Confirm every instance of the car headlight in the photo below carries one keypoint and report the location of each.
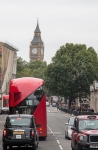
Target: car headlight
(83, 138)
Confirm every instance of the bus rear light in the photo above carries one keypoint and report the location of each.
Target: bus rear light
(4, 133)
(32, 133)
(40, 129)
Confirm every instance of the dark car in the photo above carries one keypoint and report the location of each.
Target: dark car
(4, 110)
(20, 130)
(85, 133)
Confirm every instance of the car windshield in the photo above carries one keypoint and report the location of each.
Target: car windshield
(20, 121)
(71, 121)
(88, 124)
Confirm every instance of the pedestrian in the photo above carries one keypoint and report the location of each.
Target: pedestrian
(57, 104)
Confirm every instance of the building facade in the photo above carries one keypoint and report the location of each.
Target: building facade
(36, 51)
(94, 96)
(8, 64)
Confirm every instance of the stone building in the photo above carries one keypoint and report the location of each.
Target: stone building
(94, 96)
(8, 63)
(36, 46)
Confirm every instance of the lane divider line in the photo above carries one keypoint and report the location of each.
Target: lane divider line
(55, 138)
(60, 147)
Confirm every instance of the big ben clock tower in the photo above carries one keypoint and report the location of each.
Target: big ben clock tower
(36, 46)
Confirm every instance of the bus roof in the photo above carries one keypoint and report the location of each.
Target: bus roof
(22, 87)
(28, 79)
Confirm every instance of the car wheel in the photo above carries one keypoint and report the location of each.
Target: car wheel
(72, 147)
(68, 136)
(34, 147)
(10, 147)
(4, 147)
(43, 138)
(65, 136)
(37, 144)
(77, 147)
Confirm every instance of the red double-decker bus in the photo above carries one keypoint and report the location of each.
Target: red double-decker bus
(5, 101)
(27, 96)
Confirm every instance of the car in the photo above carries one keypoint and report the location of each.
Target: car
(68, 130)
(85, 133)
(54, 104)
(20, 130)
(4, 110)
(47, 104)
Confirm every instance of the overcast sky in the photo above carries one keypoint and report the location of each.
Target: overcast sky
(60, 22)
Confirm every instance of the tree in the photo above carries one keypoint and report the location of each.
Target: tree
(38, 68)
(22, 68)
(32, 69)
(72, 70)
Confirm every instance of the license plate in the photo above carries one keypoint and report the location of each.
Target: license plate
(93, 146)
(18, 136)
(18, 132)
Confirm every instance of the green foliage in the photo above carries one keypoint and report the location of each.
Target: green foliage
(32, 69)
(72, 70)
(22, 68)
(38, 69)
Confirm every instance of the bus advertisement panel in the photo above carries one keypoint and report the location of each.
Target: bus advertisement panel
(5, 101)
(27, 96)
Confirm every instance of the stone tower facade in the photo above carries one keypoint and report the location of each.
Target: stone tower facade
(36, 46)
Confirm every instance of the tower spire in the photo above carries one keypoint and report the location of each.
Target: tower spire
(37, 27)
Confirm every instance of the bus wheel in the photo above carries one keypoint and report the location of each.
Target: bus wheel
(44, 138)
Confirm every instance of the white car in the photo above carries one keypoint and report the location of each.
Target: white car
(68, 130)
(47, 104)
(54, 105)
(4, 110)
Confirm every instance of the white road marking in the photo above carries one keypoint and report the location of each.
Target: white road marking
(60, 147)
(55, 137)
(58, 142)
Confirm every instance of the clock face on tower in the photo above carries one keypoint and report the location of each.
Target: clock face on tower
(34, 50)
(42, 51)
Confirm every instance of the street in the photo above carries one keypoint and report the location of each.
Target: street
(56, 131)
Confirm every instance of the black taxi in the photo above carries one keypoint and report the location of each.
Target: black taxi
(85, 133)
(20, 130)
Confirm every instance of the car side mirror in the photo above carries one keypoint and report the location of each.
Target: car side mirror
(66, 123)
(73, 128)
(38, 125)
